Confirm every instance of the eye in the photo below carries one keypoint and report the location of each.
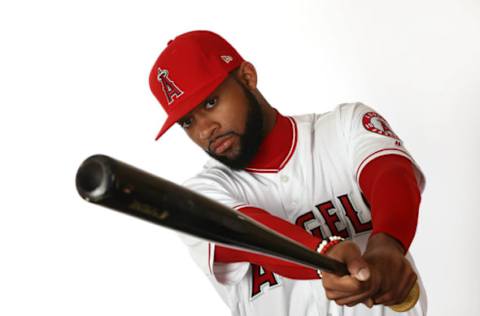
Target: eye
(186, 123)
(210, 103)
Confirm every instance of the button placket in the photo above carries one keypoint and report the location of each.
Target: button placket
(288, 202)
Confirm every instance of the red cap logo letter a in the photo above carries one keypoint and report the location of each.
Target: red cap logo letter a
(169, 87)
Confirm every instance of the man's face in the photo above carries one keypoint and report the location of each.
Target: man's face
(227, 125)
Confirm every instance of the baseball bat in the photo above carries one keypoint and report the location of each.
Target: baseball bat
(114, 184)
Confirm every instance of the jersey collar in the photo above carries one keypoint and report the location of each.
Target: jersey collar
(277, 147)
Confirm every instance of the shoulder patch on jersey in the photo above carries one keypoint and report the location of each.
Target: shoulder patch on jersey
(375, 123)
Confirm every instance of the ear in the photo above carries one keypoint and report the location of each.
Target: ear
(247, 75)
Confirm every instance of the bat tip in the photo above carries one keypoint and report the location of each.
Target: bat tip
(92, 180)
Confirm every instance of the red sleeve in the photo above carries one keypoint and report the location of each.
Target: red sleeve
(279, 266)
(390, 186)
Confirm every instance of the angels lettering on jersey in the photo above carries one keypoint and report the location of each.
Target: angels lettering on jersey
(262, 278)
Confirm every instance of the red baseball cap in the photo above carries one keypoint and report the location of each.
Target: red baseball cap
(188, 70)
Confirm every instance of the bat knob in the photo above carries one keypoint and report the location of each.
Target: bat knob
(409, 302)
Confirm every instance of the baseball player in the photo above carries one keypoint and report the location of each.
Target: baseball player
(340, 183)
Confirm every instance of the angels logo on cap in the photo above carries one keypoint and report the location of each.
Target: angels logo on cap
(169, 87)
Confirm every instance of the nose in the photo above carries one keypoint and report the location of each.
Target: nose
(207, 127)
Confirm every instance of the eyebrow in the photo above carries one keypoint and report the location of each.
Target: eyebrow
(186, 116)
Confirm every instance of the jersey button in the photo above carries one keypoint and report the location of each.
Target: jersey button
(284, 178)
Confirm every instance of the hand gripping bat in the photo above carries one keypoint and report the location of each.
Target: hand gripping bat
(111, 183)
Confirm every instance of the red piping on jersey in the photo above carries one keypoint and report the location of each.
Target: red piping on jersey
(240, 206)
(209, 254)
(277, 148)
(372, 154)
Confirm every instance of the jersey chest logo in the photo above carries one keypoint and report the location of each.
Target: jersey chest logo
(375, 123)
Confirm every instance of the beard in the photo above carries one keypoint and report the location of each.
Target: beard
(250, 140)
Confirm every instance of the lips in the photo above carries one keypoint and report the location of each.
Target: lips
(221, 144)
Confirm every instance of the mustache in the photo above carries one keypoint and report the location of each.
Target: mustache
(211, 141)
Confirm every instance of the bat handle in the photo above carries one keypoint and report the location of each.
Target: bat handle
(409, 302)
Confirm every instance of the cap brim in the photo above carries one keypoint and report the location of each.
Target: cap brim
(190, 103)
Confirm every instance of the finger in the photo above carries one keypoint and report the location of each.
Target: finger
(397, 294)
(407, 289)
(353, 299)
(391, 294)
(402, 294)
(345, 283)
(335, 295)
(369, 302)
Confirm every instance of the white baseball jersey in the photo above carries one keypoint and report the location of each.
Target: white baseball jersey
(316, 187)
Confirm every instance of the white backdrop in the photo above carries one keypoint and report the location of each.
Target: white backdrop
(73, 82)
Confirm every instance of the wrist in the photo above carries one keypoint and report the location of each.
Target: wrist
(384, 242)
(326, 245)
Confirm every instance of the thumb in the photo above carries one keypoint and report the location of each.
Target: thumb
(349, 253)
(359, 269)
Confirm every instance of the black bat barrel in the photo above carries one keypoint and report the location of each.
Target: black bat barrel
(111, 183)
